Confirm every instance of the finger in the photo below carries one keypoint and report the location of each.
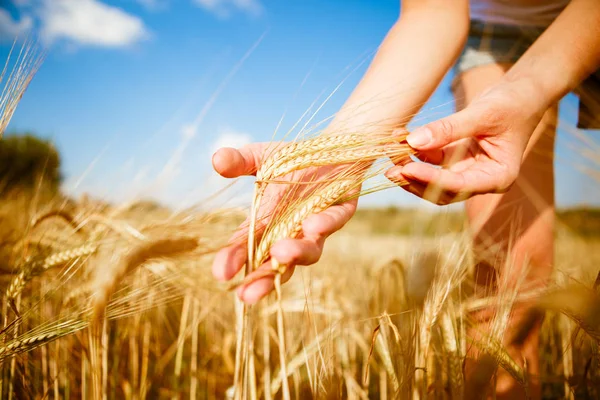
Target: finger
(228, 261)
(231, 163)
(259, 288)
(435, 156)
(398, 137)
(432, 194)
(297, 251)
(421, 190)
(416, 188)
(460, 125)
(330, 220)
(315, 229)
(482, 177)
(394, 174)
(303, 251)
(399, 160)
(449, 155)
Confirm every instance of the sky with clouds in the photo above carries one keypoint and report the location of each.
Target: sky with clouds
(137, 94)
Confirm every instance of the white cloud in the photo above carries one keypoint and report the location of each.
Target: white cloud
(224, 8)
(10, 28)
(90, 22)
(231, 138)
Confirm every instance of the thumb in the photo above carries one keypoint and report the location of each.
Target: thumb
(437, 134)
(231, 163)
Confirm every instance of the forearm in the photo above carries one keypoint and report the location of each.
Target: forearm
(567, 52)
(410, 63)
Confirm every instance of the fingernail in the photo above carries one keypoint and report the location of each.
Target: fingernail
(419, 137)
(394, 173)
(407, 174)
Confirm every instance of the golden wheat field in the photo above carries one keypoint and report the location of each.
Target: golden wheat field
(120, 299)
(117, 301)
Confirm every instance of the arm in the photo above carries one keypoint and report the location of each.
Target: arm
(501, 121)
(566, 53)
(411, 62)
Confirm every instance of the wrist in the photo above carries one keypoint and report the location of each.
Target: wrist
(530, 92)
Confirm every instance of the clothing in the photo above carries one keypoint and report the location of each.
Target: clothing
(490, 43)
(538, 13)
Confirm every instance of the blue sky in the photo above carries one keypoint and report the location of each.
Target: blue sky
(137, 94)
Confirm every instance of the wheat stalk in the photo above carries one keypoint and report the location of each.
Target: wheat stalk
(495, 349)
(106, 284)
(455, 374)
(31, 341)
(35, 266)
(28, 62)
(449, 276)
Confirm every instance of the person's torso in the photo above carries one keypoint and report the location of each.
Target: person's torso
(517, 12)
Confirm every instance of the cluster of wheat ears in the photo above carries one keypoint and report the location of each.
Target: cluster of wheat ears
(111, 301)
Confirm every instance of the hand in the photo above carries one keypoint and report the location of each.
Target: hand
(480, 148)
(305, 250)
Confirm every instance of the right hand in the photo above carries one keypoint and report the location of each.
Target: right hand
(481, 147)
(304, 250)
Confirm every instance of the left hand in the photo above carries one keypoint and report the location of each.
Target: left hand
(480, 148)
(303, 250)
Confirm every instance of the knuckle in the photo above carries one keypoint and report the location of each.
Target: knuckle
(488, 115)
(492, 116)
(317, 250)
(446, 130)
(294, 255)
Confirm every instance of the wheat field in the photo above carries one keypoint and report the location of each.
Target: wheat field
(117, 301)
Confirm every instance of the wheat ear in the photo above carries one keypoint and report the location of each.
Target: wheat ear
(291, 226)
(28, 62)
(495, 349)
(106, 284)
(33, 267)
(331, 150)
(455, 374)
(29, 342)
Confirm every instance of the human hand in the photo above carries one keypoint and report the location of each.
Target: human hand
(479, 149)
(304, 250)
